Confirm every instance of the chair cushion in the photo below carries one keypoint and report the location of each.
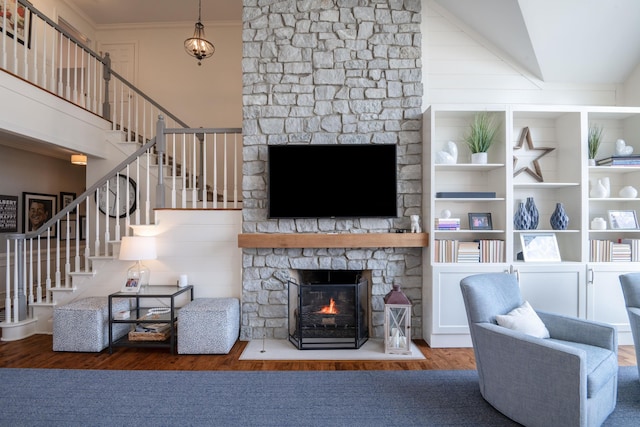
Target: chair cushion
(602, 365)
(524, 319)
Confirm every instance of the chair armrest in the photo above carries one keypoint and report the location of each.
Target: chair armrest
(516, 372)
(584, 331)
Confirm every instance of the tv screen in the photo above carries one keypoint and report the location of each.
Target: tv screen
(332, 181)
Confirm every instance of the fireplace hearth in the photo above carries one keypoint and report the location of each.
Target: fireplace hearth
(328, 310)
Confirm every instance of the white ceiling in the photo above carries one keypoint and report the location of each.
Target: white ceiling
(104, 12)
(560, 41)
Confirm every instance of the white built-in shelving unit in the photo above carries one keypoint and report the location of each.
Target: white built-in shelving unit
(573, 286)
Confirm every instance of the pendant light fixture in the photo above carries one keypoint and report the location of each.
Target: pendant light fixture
(79, 159)
(197, 46)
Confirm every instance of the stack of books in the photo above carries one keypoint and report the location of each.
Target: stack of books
(635, 248)
(630, 160)
(620, 252)
(468, 252)
(607, 251)
(447, 224)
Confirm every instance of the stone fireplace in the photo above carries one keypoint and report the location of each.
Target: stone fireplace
(329, 72)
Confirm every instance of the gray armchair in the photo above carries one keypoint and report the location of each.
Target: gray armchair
(631, 289)
(569, 379)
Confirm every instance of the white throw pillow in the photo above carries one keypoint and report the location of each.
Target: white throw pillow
(524, 319)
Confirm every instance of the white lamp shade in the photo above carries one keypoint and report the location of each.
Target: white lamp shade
(137, 248)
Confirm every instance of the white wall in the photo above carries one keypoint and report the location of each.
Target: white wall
(460, 67)
(209, 95)
(632, 89)
(22, 171)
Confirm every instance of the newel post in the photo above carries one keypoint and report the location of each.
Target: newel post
(106, 75)
(160, 149)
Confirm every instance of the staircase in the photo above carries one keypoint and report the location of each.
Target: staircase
(194, 171)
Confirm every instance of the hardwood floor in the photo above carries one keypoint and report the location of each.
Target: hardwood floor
(36, 352)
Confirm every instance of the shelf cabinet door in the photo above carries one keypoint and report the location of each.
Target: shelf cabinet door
(449, 314)
(605, 301)
(556, 288)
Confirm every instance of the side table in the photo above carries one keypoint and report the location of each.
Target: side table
(141, 315)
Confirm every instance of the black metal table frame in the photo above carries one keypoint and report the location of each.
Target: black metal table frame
(158, 292)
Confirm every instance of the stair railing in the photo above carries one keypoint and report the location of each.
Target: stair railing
(43, 53)
(46, 259)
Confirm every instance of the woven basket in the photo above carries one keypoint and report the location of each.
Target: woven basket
(149, 336)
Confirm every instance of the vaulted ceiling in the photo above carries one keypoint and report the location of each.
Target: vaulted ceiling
(559, 41)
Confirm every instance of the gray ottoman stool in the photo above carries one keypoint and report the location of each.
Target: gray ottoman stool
(83, 325)
(208, 326)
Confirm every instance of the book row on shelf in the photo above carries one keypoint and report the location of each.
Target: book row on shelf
(626, 250)
(472, 252)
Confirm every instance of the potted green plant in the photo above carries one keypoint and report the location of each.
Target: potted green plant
(594, 139)
(481, 135)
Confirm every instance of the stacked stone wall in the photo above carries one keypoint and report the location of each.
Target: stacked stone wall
(329, 72)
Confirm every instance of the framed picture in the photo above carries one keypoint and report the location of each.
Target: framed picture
(480, 221)
(540, 247)
(18, 21)
(131, 285)
(8, 214)
(71, 232)
(38, 209)
(83, 226)
(623, 220)
(66, 199)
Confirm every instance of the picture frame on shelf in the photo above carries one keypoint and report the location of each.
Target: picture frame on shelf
(38, 208)
(623, 220)
(540, 247)
(131, 285)
(480, 221)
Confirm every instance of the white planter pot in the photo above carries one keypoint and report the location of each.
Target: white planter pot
(479, 158)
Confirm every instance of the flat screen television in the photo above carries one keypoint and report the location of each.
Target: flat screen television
(332, 181)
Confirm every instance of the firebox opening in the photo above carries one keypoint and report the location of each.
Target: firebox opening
(328, 309)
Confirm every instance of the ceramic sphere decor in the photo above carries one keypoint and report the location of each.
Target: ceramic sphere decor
(559, 219)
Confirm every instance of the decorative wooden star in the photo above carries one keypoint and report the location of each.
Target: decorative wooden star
(537, 174)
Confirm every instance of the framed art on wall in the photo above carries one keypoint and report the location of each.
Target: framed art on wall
(67, 229)
(65, 199)
(8, 214)
(18, 21)
(38, 209)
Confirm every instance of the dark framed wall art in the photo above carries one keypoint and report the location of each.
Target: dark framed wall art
(38, 208)
(8, 214)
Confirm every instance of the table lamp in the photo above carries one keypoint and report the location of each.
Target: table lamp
(138, 248)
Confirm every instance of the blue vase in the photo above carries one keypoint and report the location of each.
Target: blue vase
(559, 219)
(532, 210)
(521, 218)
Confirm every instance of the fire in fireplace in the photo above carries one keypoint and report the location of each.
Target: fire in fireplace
(328, 309)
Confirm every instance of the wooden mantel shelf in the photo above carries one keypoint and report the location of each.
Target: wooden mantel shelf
(338, 240)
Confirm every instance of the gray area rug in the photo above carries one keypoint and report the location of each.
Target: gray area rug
(51, 397)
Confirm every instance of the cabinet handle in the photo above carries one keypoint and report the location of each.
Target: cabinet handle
(590, 279)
